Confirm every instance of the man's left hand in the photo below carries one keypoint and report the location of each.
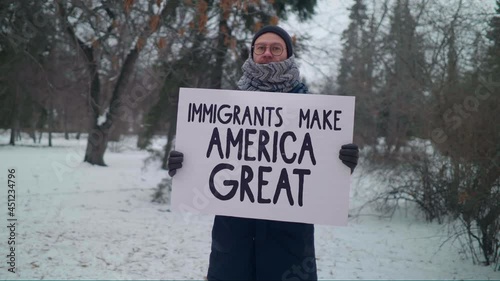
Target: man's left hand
(349, 154)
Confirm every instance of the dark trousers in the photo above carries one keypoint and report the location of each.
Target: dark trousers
(253, 249)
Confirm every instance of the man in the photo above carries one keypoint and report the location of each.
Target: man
(255, 249)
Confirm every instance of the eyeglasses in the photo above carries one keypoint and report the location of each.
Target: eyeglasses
(276, 49)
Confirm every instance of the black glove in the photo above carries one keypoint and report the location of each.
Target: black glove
(349, 154)
(174, 162)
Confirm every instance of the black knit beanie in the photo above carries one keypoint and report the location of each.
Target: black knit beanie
(278, 31)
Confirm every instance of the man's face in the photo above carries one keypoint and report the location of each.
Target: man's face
(272, 43)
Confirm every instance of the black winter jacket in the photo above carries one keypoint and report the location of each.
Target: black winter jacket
(255, 249)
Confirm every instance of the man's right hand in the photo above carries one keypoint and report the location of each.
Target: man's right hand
(174, 162)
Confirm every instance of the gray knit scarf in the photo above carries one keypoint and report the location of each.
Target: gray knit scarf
(280, 76)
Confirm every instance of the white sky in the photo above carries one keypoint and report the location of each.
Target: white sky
(325, 29)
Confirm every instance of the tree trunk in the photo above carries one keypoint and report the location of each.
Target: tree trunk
(96, 145)
(142, 141)
(51, 121)
(65, 125)
(15, 119)
(96, 141)
(32, 134)
(12, 135)
(96, 148)
(221, 50)
(32, 131)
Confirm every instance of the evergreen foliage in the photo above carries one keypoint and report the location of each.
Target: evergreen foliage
(356, 72)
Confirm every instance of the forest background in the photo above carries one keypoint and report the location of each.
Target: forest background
(426, 76)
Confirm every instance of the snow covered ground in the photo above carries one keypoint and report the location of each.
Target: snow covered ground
(76, 221)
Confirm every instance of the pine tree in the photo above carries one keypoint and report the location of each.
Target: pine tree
(26, 36)
(355, 76)
(351, 48)
(494, 36)
(404, 80)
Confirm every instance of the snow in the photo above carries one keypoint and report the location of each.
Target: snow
(102, 118)
(77, 221)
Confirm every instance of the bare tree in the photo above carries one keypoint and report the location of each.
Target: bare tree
(130, 25)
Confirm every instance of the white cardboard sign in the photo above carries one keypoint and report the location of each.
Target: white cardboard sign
(263, 155)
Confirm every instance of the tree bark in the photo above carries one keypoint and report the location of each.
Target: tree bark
(50, 121)
(12, 135)
(221, 51)
(15, 119)
(96, 146)
(65, 123)
(32, 134)
(97, 138)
